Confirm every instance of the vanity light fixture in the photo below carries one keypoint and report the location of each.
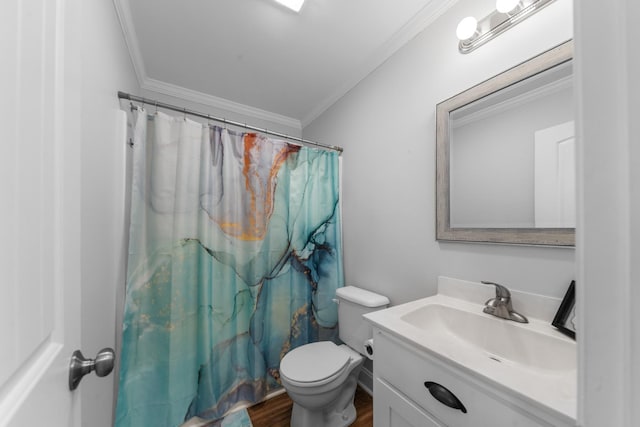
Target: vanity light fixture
(294, 5)
(507, 14)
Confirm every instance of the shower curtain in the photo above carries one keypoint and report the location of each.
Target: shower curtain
(234, 259)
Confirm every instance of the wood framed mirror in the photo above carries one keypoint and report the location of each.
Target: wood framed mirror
(505, 152)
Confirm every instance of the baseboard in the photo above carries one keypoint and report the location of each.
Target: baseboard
(365, 380)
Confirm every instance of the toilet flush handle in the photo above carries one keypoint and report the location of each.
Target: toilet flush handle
(336, 300)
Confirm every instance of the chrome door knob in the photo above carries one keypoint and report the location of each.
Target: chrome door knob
(79, 366)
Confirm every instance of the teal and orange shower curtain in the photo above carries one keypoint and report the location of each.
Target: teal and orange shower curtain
(234, 258)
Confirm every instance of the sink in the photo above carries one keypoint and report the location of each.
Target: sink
(501, 340)
(530, 362)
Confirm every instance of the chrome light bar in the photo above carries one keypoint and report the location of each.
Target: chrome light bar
(497, 23)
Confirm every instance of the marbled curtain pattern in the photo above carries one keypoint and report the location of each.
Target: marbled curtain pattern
(234, 259)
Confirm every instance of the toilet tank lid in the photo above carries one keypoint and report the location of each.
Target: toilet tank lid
(362, 296)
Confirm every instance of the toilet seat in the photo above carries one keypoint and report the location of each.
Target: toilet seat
(314, 364)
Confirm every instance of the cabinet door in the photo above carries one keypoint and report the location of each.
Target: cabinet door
(391, 409)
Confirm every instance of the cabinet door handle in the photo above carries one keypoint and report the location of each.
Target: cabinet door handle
(444, 396)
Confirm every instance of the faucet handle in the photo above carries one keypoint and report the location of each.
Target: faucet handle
(501, 291)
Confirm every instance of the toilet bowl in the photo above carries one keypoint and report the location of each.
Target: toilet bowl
(321, 377)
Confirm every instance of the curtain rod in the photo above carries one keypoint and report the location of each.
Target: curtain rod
(158, 104)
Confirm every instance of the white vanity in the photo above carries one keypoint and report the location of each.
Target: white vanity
(441, 361)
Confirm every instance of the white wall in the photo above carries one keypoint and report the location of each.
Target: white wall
(387, 127)
(106, 69)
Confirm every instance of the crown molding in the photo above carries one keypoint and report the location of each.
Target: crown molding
(131, 39)
(417, 24)
(216, 102)
(428, 14)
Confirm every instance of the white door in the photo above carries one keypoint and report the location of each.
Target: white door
(555, 177)
(39, 211)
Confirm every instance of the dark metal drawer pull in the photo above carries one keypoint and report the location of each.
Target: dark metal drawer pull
(444, 396)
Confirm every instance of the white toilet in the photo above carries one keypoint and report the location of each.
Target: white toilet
(321, 377)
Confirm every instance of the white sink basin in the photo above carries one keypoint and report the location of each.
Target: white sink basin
(498, 339)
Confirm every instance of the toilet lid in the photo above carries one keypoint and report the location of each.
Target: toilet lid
(314, 362)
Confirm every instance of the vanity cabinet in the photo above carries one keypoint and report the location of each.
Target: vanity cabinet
(414, 388)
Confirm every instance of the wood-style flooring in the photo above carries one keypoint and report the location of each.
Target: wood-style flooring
(276, 412)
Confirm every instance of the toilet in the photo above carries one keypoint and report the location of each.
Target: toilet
(321, 377)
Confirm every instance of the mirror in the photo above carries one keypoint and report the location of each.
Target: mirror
(505, 153)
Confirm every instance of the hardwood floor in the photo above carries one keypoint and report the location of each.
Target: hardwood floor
(276, 412)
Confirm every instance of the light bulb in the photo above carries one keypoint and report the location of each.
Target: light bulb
(506, 6)
(294, 5)
(467, 28)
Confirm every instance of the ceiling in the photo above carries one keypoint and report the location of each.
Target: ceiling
(257, 58)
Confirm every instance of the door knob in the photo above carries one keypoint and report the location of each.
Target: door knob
(79, 366)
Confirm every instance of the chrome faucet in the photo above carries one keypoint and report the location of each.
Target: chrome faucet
(500, 306)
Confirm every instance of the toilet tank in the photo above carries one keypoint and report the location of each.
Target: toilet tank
(353, 302)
